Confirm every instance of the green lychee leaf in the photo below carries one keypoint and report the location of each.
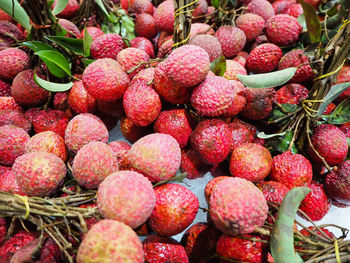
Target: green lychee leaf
(57, 64)
(215, 3)
(71, 44)
(51, 86)
(282, 240)
(15, 10)
(60, 6)
(87, 40)
(218, 66)
(267, 80)
(37, 46)
(312, 20)
(341, 114)
(104, 10)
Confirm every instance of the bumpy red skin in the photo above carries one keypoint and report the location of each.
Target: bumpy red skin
(131, 57)
(283, 30)
(337, 184)
(250, 161)
(84, 128)
(3, 230)
(144, 76)
(142, 104)
(5, 88)
(31, 113)
(259, 103)
(262, 8)
(213, 96)
(192, 164)
(4, 16)
(344, 76)
(80, 100)
(13, 61)
(12, 143)
(241, 58)
(112, 108)
(145, 26)
(175, 209)
(208, 191)
(93, 163)
(143, 44)
(201, 28)
(295, 10)
(105, 79)
(201, 9)
(70, 10)
(4, 169)
(120, 149)
(326, 231)
(165, 48)
(281, 6)
(16, 118)
(208, 43)
(315, 204)
(237, 206)
(8, 184)
(51, 120)
(25, 90)
(177, 123)
(251, 24)
(93, 31)
(106, 46)
(233, 68)
(137, 6)
(239, 99)
(243, 250)
(12, 245)
(331, 144)
(212, 140)
(240, 123)
(292, 170)
(131, 131)
(291, 94)
(295, 58)
(329, 110)
(157, 156)
(240, 134)
(119, 242)
(232, 40)
(345, 129)
(264, 58)
(163, 249)
(273, 191)
(9, 103)
(72, 30)
(164, 16)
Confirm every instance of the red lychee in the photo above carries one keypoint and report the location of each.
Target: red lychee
(93, 31)
(208, 43)
(70, 10)
(145, 26)
(211, 185)
(80, 100)
(264, 58)
(15, 118)
(273, 191)
(291, 94)
(233, 68)
(130, 59)
(120, 149)
(12, 245)
(144, 44)
(262, 8)
(251, 24)
(131, 131)
(106, 46)
(13, 61)
(192, 164)
(50, 120)
(232, 40)
(164, 16)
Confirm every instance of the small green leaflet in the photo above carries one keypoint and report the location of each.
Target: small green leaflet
(103, 8)
(51, 86)
(218, 66)
(12, 7)
(74, 45)
(38, 46)
(312, 20)
(57, 64)
(341, 114)
(215, 3)
(60, 6)
(87, 40)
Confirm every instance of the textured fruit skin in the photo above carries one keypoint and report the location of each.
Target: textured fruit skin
(50, 120)
(337, 184)
(164, 16)
(232, 40)
(264, 58)
(142, 104)
(239, 249)
(137, 6)
(10, 33)
(237, 206)
(344, 76)
(315, 204)
(250, 161)
(144, 76)
(12, 143)
(144, 44)
(296, 58)
(93, 163)
(70, 10)
(8, 184)
(240, 134)
(126, 196)
(131, 57)
(105, 79)
(4, 16)
(25, 90)
(233, 68)
(259, 103)
(145, 26)
(192, 164)
(262, 8)
(251, 24)
(163, 249)
(12, 245)
(119, 242)
(106, 46)
(31, 113)
(39, 173)
(331, 144)
(47, 141)
(175, 209)
(3, 230)
(157, 156)
(201, 28)
(72, 30)
(208, 43)
(212, 140)
(291, 94)
(131, 131)
(13, 61)
(211, 185)
(213, 96)
(239, 99)
(295, 10)
(201, 9)
(84, 128)
(5, 88)
(283, 30)
(80, 100)
(15, 118)
(292, 170)
(93, 31)
(273, 191)
(177, 123)
(120, 149)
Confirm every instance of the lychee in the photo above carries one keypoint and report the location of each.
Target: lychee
(240, 134)
(208, 43)
(192, 164)
(251, 24)
(164, 16)
(93, 31)
(120, 149)
(70, 10)
(12, 245)
(13, 61)
(8, 184)
(262, 8)
(15, 118)
(50, 120)
(145, 26)
(106, 46)
(291, 94)
(80, 100)
(232, 40)
(264, 58)
(211, 185)
(273, 191)
(232, 69)
(130, 59)
(143, 44)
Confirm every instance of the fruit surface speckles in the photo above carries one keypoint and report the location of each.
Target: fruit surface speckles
(233, 68)
(262, 8)
(15, 118)
(130, 58)
(120, 149)
(8, 184)
(12, 61)
(291, 94)
(232, 40)
(251, 24)
(208, 191)
(80, 100)
(164, 17)
(264, 58)
(273, 191)
(106, 46)
(208, 43)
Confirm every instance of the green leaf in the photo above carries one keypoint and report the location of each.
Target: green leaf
(281, 243)
(72, 44)
(103, 8)
(60, 6)
(56, 62)
(262, 135)
(312, 20)
(51, 86)
(284, 143)
(302, 22)
(87, 42)
(283, 110)
(128, 23)
(218, 66)
(341, 114)
(333, 93)
(215, 3)
(37, 46)
(15, 10)
(267, 80)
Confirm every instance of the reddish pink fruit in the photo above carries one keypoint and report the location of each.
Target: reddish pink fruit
(112, 108)
(164, 16)
(80, 100)
(120, 149)
(192, 164)
(145, 26)
(12, 245)
(72, 30)
(131, 131)
(137, 6)
(106, 46)
(201, 28)
(232, 69)
(13, 61)
(16, 118)
(8, 184)
(240, 134)
(130, 59)
(232, 40)
(281, 6)
(201, 9)
(291, 94)
(70, 10)
(93, 31)
(264, 58)
(5, 88)
(273, 191)
(262, 8)
(211, 185)
(251, 24)
(165, 48)
(144, 76)
(144, 44)
(51, 120)
(239, 99)
(295, 10)
(208, 43)
(31, 113)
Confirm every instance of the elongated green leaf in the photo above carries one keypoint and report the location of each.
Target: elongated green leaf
(281, 243)
(218, 66)
(13, 8)
(215, 3)
(333, 93)
(87, 43)
(55, 62)
(262, 135)
(312, 20)
(60, 6)
(267, 80)
(302, 22)
(51, 86)
(341, 113)
(37, 46)
(103, 8)
(72, 44)
(284, 143)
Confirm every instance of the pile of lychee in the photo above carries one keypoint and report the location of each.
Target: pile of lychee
(175, 116)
